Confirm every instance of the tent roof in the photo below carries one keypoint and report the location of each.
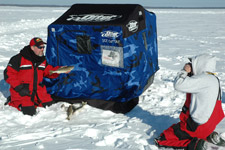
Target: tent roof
(101, 14)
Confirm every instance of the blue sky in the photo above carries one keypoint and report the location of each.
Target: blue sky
(150, 3)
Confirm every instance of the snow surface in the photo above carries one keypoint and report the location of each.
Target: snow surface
(181, 33)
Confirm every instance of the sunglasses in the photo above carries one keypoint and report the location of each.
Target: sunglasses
(40, 47)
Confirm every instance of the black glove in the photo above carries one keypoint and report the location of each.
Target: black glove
(23, 89)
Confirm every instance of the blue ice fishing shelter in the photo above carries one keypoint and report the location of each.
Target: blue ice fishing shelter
(113, 48)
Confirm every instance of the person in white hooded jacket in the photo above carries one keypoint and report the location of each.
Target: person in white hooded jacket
(204, 86)
(202, 110)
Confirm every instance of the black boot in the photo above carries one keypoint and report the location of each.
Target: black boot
(201, 145)
(215, 138)
(29, 110)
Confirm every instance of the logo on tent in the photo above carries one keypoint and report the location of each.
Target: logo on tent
(110, 34)
(93, 17)
(132, 26)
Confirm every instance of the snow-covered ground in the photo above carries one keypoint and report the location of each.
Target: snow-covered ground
(181, 33)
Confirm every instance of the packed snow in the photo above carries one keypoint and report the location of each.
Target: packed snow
(181, 33)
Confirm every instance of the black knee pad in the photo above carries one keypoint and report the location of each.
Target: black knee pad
(28, 110)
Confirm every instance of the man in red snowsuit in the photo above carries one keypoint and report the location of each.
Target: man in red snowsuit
(202, 110)
(24, 73)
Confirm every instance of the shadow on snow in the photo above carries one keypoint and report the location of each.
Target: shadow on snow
(158, 123)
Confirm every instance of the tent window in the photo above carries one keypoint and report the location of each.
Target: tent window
(83, 44)
(112, 56)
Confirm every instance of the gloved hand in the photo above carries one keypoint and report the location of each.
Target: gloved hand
(23, 89)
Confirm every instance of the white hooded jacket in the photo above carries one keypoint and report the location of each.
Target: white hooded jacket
(203, 86)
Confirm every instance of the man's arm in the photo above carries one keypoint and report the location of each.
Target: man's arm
(11, 71)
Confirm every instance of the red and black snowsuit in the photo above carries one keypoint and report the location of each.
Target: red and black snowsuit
(187, 132)
(24, 73)
(202, 110)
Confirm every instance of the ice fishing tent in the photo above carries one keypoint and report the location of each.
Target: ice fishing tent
(114, 50)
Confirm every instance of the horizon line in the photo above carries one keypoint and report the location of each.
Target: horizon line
(147, 7)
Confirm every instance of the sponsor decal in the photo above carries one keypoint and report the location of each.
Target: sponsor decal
(110, 34)
(93, 17)
(110, 41)
(132, 26)
(38, 40)
(112, 56)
